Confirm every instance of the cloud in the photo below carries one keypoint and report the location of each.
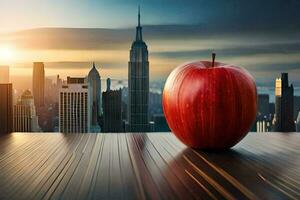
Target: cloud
(265, 53)
(68, 38)
(240, 50)
(112, 39)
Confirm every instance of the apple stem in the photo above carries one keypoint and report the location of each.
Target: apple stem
(213, 59)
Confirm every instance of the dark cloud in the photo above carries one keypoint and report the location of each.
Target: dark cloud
(250, 50)
(253, 14)
(276, 67)
(111, 39)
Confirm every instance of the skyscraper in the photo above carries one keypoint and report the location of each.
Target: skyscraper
(112, 110)
(4, 74)
(263, 105)
(6, 108)
(284, 105)
(138, 84)
(298, 122)
(296, 106)
(73, 109)
(38, 84)
(264, 118)
(25, 119)
(94, 85)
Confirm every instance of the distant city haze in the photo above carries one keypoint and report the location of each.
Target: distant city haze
(265, 43)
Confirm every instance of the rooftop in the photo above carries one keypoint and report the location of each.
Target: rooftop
(146, 166)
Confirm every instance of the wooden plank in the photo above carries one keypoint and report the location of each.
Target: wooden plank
(31, 162)
(69, 186)
(146, 166)
(89, 177)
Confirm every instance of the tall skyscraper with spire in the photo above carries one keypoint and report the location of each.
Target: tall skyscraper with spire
(138, 84)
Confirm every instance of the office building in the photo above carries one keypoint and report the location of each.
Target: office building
(6, 108)
(38, 84)
(272, 108)
(25, 119)
(263, 122)
(73, 109)
(138, 84)
(4, 74)
(263, 105)
(112, 110)
(296, 106)
(124, 91)
(155, 103)
(95, 100)
(298, 122)
(284, 105)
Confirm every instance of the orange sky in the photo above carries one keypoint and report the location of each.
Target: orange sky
(70, 52)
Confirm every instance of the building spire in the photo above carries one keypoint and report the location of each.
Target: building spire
(139, 28)
(94, 66)
(139, 17)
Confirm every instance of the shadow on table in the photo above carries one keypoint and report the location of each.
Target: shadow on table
(263, 174)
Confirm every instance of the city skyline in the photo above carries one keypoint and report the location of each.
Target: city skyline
(265, 44)
(161, 99)
(111, 44)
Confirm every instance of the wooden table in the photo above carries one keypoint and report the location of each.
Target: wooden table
(146, 166)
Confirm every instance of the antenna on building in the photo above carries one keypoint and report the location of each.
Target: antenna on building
(139, 16)
(139, 28)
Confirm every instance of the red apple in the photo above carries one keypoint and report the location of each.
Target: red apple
(210, 105)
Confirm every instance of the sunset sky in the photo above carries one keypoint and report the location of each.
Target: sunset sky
(262, 36)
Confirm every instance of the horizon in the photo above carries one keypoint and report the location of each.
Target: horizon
(265, 44)
(60, 58)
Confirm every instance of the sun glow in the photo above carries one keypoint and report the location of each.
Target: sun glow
(6, 53)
